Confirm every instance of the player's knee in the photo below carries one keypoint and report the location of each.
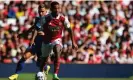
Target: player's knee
(57, 50)
(27, 55)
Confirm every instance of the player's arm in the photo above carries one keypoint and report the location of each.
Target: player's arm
(27, 32)
(74, 45)
(67, 26)
(37, 31)
(33, 37)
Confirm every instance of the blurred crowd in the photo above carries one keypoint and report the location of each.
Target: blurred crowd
(103, 31)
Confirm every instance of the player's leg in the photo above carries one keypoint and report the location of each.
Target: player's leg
(46, 68)
(38, 42)
(20, 64)
(42, 64)
(57, 51)
(46, 49)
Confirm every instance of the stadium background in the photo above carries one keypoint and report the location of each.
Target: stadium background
(103, 31)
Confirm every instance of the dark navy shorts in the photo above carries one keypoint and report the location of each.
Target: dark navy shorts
(36, 49)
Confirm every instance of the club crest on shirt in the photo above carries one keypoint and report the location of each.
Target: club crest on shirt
(38, 24)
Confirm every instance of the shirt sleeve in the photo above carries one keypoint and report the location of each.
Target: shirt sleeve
(66, 23)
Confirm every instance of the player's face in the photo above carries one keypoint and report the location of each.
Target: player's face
(56, 9)
(42, 12)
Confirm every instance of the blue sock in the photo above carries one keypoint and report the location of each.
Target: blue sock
(20, 65)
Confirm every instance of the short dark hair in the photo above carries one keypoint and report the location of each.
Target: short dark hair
(53, 4)
(42, 6)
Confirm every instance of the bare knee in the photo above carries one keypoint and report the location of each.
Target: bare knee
(27, 55)
(57, 50)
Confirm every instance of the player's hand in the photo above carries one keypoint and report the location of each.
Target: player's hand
(31, 43)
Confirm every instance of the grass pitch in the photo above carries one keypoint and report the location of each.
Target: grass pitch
(31, 76)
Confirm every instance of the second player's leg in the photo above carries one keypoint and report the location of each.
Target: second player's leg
(57, 51)
(21, 62)
(42, 63)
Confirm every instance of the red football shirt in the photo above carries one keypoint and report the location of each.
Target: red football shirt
(54, 27)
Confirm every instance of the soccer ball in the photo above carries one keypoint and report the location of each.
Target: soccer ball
(40, 76)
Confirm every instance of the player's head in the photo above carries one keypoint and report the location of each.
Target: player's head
(42, 10)
(55, 7)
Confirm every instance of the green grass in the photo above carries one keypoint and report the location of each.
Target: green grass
(30, 76)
